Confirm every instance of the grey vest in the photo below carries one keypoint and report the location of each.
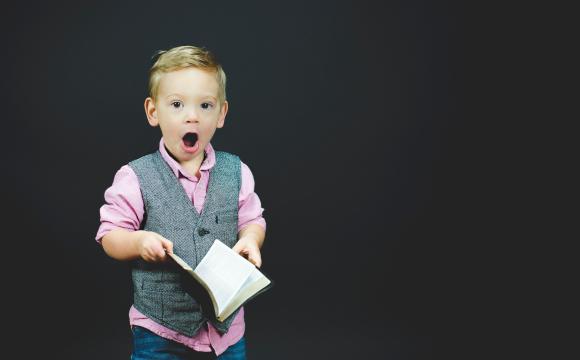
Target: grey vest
(157, 287)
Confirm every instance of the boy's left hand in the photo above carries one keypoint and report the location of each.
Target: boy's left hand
(247, 246)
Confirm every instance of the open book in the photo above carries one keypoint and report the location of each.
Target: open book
(230, 279)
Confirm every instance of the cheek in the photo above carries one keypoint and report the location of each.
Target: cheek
(168, 128)
(208, 116)
(208, 130)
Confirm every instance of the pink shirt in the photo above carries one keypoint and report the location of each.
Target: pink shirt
(124, 209)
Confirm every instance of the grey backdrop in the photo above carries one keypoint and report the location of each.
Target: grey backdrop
(350, 115)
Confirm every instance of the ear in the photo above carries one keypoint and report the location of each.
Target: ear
(223, 112)
(151, 112)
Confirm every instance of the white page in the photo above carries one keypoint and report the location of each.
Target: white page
(224, 271)
(254, 276)
(254, 283)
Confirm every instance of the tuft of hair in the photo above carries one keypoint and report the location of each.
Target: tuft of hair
(182, 57)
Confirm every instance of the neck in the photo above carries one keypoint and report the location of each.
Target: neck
(192, 166)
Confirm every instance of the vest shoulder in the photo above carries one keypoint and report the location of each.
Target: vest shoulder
(143, 160)
(227, 159)
(223, 155)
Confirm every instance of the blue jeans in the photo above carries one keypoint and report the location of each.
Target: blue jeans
(148, 345)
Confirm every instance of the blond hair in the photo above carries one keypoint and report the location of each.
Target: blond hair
(183, 57)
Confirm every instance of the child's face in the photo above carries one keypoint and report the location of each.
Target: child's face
(187, 111)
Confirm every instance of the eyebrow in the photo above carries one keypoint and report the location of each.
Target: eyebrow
(171, 95)
(180, 95)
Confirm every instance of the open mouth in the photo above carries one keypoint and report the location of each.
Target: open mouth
(189, 139)
(190, 143)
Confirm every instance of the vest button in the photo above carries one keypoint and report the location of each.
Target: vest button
(202, 232)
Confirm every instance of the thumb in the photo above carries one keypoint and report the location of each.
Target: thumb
(167, 245)
(255, 258)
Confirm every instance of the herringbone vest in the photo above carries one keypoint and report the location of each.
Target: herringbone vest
(157, 287)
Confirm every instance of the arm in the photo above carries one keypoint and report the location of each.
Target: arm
(121, 244)
(121, 217)
(250, 240)
(251, 224)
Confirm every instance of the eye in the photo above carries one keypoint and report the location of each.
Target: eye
(176, 104)
(206, 105)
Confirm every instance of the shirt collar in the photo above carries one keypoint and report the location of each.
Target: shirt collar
(207, 163)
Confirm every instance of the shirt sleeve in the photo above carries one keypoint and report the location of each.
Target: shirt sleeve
(123, 206)
(249, 206)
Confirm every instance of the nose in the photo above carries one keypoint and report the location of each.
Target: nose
(191, 116)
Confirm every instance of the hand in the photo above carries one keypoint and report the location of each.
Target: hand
(248, 247)
(152, 246)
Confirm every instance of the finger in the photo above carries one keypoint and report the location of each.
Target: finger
(255, 258)
(167, 245)
(238, 247)
(156, 251)
(150, 256)
(245, 253)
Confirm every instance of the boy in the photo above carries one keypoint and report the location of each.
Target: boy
(180, 199)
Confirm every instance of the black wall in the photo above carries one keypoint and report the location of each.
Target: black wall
(349, 113)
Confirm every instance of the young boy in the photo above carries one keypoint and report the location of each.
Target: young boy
(181, 198)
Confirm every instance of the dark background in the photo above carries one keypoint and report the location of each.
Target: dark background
(352, 115)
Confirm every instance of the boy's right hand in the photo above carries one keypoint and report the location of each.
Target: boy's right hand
(152, 246)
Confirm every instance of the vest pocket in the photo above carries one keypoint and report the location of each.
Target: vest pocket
(160, 281)
(179, 306)
(224, 217)
(181, 301)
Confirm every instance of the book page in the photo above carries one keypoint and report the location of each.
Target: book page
(180, 261)
(253, 284)
(224, 272)
(188, 268)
